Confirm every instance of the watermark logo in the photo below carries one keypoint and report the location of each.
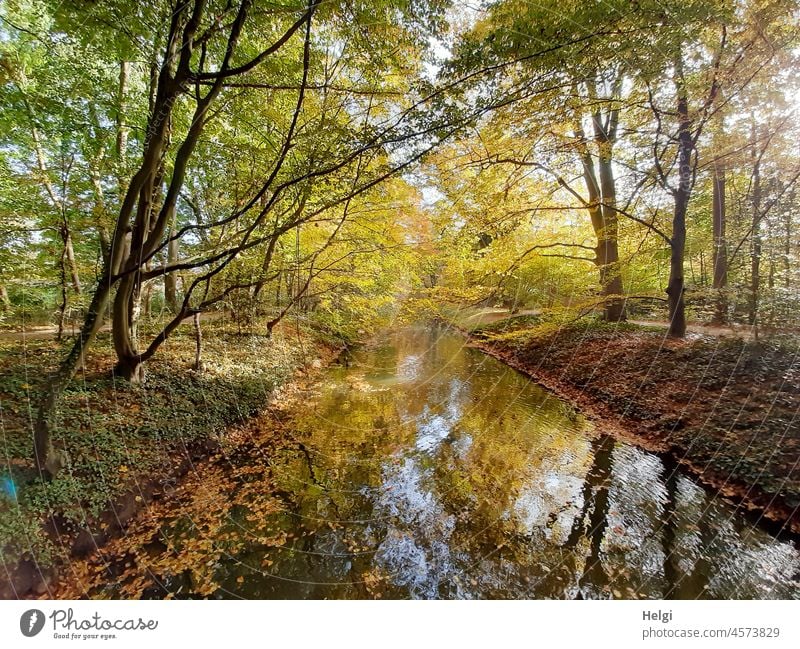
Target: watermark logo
(31, 622)
(67, 626)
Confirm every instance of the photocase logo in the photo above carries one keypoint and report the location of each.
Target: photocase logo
(31, 622)
(66, 625)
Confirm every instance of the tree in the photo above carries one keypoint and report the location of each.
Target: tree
(570, 81)
(205, 63)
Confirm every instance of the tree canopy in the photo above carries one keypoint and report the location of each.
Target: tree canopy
(348, 161)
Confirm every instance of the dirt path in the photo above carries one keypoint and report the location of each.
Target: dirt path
(490, 315)
(739, 331)
(50, 331)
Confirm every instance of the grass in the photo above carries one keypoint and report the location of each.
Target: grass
(517, 330)
(511, 324)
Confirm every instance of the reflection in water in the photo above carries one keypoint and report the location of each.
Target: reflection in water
(428, 469)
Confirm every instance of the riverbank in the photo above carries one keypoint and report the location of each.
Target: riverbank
(723, 407)
(127, 446)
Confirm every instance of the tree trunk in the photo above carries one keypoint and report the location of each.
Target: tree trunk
(130, 369)
(720, 280)
(672, 575)
(608, 248)
(675, 288)
(5, 301)
(198, 339)
(122, 330)
(122, 128)
(787, 242)
(146, 298)
(607, 241)
(676, 285)
(703, 278)
(171, 279)
(62, 307)
(602, 212)
(59, 203)
(100, 214)
(755, 248)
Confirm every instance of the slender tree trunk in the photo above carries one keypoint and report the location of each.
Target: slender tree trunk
(755, 247)
(146, 299)
(58, 202)
(602, 210)
(787, 244)
(5, 301)
(66, 267)
(171, 279)
(122, 127)
(720, 280)
(198, 338)
(676, 285)
(100, 215)
(703, 278)
(62, 307)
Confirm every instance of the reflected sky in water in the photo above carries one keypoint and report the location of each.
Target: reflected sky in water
(429, 470)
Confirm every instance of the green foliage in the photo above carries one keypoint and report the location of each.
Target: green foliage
(507, 325)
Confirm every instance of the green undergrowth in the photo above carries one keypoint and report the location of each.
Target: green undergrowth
(516, 330)
(114, 433)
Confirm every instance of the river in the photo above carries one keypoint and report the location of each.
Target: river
(427, 469)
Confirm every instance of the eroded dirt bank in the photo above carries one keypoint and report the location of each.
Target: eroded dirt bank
(725, 408)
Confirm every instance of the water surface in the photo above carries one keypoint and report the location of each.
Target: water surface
(426, 469)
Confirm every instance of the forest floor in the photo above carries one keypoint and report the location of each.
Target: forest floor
(127, 445)
(723, 406)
